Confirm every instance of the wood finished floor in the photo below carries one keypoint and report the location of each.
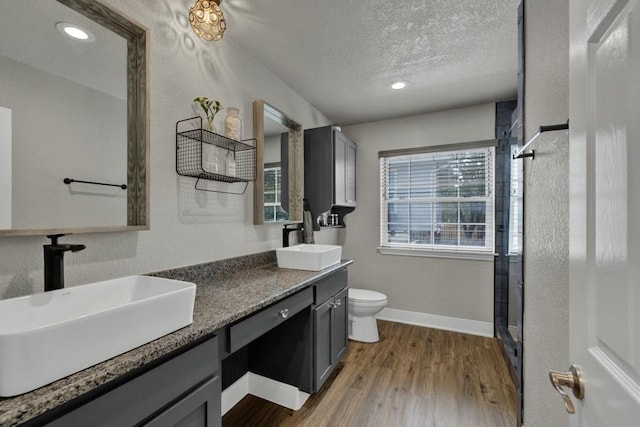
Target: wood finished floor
(413, 376)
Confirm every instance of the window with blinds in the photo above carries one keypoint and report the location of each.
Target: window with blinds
(272, 195)
(439, 201)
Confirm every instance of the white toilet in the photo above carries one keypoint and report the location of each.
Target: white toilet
(363, 307)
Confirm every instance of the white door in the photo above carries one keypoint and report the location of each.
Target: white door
(605, 209)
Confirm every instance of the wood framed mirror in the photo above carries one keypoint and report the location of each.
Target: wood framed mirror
(279, 186)
(74, 110)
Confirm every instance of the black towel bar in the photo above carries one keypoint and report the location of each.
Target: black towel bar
(70, 180)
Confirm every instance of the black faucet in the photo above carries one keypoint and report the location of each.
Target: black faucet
(54, 262)
(288, 228)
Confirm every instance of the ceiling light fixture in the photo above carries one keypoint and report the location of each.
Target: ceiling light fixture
(400, 84)
(207, 20)
(75, 32)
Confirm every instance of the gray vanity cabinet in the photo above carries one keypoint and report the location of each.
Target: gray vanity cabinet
(304, 350)
(329, 171)
(200, 408)
(330, 335)
(183, 391)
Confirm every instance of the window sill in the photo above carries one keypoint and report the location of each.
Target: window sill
(472, 255)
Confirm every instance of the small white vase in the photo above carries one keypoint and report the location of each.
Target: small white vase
(233, 124)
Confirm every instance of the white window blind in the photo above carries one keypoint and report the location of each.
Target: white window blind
(440, 201)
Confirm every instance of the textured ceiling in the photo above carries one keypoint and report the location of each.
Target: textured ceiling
(341, 55)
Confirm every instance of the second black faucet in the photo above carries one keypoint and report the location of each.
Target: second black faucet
(288, 228)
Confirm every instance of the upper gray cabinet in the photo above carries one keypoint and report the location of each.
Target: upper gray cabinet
(350, 149)
(329, 174)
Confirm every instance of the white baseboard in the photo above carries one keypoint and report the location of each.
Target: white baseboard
(274, 391)
(235, 393)
(455, 324)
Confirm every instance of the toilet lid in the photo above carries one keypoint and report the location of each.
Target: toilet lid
(366, 295)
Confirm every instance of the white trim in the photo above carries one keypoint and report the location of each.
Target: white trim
(235, 393)
(479, 256)
(455, 324)
(460, 146)
(265, 388)
(274, 391)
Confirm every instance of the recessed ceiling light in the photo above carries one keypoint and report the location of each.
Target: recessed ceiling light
(75, 32)
(400, 84)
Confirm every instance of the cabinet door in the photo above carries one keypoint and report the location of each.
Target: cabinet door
(322, 343)
(340, 143)
(339, 332)
(352, 150)
(200, 408)
(330, 336)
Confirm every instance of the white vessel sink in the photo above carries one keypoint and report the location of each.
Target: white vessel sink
(309, 257)
(48, 336)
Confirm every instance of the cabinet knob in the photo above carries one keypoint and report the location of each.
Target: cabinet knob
(338, 302)
(284, 313)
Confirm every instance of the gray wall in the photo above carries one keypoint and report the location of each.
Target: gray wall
(546, 250)
(50, 117)
(187, 226)
(445, 287)
(272, 149)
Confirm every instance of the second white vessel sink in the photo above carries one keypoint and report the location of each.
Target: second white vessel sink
(48, 336)
(309, 257)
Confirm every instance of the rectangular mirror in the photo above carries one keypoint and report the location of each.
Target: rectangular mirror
(279, 184)
(71, 110)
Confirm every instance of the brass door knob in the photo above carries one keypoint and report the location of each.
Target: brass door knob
(572, 380)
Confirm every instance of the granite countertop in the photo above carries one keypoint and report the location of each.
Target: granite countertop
(226, 291)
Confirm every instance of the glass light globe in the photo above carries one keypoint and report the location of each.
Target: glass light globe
(207, 20)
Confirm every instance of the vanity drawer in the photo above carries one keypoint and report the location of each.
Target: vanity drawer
(245, 331)
(329, 286)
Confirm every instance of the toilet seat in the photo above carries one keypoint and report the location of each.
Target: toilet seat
(366, 296)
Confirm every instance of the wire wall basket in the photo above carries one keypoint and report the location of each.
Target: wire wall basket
(203, 154)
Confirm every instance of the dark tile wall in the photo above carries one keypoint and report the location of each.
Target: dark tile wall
(504, 111)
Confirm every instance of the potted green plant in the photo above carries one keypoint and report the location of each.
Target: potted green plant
(210, 108)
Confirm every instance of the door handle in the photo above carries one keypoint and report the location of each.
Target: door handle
(572, 380)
